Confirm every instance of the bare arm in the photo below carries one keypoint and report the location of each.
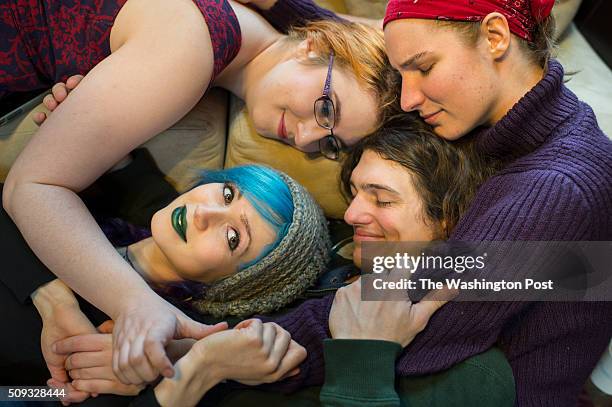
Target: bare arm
(112, 111)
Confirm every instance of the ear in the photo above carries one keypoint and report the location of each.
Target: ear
(494, 28)
(304, 50)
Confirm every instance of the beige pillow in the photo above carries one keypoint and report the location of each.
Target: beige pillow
(196, 142)
(366, 8)
(319, 175)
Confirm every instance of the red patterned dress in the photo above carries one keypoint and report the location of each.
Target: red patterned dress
(46, 41)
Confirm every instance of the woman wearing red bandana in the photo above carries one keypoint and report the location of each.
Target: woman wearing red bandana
(481, 70)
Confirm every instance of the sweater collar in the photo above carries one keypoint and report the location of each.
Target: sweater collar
(532, 119)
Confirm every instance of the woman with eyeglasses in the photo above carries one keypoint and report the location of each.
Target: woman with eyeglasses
(147, 63)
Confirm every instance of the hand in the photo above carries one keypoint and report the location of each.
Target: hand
(260, 4)
(61, 318)
(252, 353)
(141, 333)
(395, 321)
(58, 94)
(89, 364)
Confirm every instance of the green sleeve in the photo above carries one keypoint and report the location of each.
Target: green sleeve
(359, 373)
(482, 380)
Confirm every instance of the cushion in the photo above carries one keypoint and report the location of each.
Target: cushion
(196, 142)
(318, 174)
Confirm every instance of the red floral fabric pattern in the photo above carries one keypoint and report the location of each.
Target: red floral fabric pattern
(45, 41)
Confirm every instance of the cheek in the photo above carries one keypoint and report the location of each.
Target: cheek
(391, 221)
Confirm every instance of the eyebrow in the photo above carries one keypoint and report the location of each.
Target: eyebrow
(370, 186)
(413, 60)
(244, 221)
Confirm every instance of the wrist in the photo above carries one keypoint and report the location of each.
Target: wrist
(52, 296)
(192, 379)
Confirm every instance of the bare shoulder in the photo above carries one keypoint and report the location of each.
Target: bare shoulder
(160, 20)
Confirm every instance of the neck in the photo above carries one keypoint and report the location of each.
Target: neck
(151, 263)
(520, 76)
(241, 81)
(258, 39)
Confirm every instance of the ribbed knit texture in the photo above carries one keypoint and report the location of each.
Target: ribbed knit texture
(557, 185)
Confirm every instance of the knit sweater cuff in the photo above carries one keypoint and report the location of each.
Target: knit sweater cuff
(287, 13)
(360, 372)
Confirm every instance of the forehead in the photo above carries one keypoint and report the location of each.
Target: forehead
(373, 169)
(359, 112)
(407, 38)
(262, 233)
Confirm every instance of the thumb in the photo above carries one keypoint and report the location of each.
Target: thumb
(190, 329)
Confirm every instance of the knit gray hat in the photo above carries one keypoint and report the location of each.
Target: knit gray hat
(280, 277)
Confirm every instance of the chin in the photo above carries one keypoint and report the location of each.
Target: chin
(448, 133)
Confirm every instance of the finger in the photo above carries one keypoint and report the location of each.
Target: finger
(140, 363)
(107, 387)
(292, 373)
(126, 367)
(292, 359)
(117, 346)
(49, 102)
(187, 328)
(155, 351)
(269, 336)
(82, 343)
(59, 92)
(100, 372)
(83, 360)
(39, 118)
(244, 324)
(73, 81)
(281, 345)
(106, 327)
(71, 395)
(58, 373)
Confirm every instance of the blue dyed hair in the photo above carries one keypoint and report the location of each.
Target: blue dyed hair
(266, 191)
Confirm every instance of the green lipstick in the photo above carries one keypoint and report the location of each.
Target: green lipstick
(179, 222)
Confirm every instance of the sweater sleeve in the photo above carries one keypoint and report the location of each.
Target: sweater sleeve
(287, 13)
(360, 373)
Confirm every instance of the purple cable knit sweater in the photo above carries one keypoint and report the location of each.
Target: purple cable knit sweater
(557, 185)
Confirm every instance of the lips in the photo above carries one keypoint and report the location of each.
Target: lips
(430, 118)
(282, 129)
(362, 235)
(179, 222)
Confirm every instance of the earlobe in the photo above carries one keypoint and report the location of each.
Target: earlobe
(497, 34)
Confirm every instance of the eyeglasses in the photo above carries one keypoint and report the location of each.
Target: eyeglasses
(325, 114)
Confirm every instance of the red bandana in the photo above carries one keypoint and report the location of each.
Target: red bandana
(522, 15)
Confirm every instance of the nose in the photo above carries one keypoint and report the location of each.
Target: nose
(206, 216)
(357, 213)
(309, 132)
(412, 96)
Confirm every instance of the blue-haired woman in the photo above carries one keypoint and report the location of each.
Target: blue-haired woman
(244, 240)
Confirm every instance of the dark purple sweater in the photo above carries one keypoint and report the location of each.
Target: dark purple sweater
(557, 185)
